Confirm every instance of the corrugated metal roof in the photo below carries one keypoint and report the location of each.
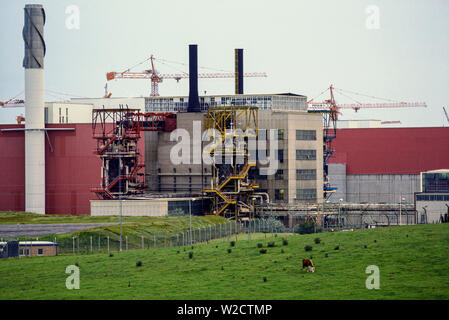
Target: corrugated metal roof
(392, 150)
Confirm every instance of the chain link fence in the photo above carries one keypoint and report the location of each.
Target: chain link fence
(89, 242)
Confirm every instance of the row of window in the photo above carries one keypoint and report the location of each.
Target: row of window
(301, 194)
(300, 134)
(301, 174)
(261, 102)
(432, 197)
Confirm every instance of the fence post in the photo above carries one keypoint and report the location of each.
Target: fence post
(91, 248)
(108, 243)
(99, 243)
(126, 237)
(154, 236)
(73, 244)
(78, 241)
(143, 243)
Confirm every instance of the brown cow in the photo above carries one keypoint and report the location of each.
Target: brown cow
(307, 263)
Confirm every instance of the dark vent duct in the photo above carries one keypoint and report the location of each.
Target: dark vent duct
(194, 101)
(238, 71)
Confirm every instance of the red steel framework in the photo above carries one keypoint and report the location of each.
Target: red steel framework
(117, 132)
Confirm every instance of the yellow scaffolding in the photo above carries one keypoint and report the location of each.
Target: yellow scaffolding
(231, 187)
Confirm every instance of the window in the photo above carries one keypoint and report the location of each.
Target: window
(306, 174)
(432, 197)
(24, 252)
(305, 135)
(279, 194)
(40, 252)
(60, 116)
(305, 194)
(279, 175)
(66, 115)
(280, 155)
(280, 134)
(305, 154)
(46, 115)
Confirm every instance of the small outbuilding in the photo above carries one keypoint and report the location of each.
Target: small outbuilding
(28, 249)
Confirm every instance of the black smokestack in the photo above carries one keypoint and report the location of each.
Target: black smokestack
(194, 101)
(238, 71)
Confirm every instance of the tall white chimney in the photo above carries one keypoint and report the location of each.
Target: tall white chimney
(33, 36)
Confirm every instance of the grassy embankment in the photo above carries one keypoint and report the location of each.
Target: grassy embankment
(413, 262)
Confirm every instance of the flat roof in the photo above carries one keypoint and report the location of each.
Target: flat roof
(32, 243)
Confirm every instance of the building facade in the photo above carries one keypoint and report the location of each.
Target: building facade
(383, 165)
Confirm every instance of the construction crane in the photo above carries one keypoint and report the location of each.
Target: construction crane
(330, 111)
(445, 112)
(156, 78)
(331, 104)
(12, 103)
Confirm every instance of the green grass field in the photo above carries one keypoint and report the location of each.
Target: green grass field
(413, 262)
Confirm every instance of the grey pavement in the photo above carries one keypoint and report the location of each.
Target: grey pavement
(34, 230)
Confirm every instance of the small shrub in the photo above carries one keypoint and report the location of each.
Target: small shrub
(284, 242)
(365, 246)
(282, 251)
(307, 227)
(229, 250)
(276, 235)
(139, 263)
(259, 245)
(177, 252)
(311, 257)
(375, 241)
(192, 247)
(308, 248)
(222, 268)
(76, 264)
(271, 244)
(190, 255)
(317, 240)
(337, 247)
(263, 251)
(232, 243)
(111, 255)
(216, 246)
(326, 255)
(264, 279)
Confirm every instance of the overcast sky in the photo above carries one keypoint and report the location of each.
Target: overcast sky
(303, 46)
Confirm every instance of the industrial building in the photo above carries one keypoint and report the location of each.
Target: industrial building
(101, 155)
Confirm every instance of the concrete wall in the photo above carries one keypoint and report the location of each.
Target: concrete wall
(434, 210)
(149, 208)
(337, 178)
(372, 188)
(70, 112)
